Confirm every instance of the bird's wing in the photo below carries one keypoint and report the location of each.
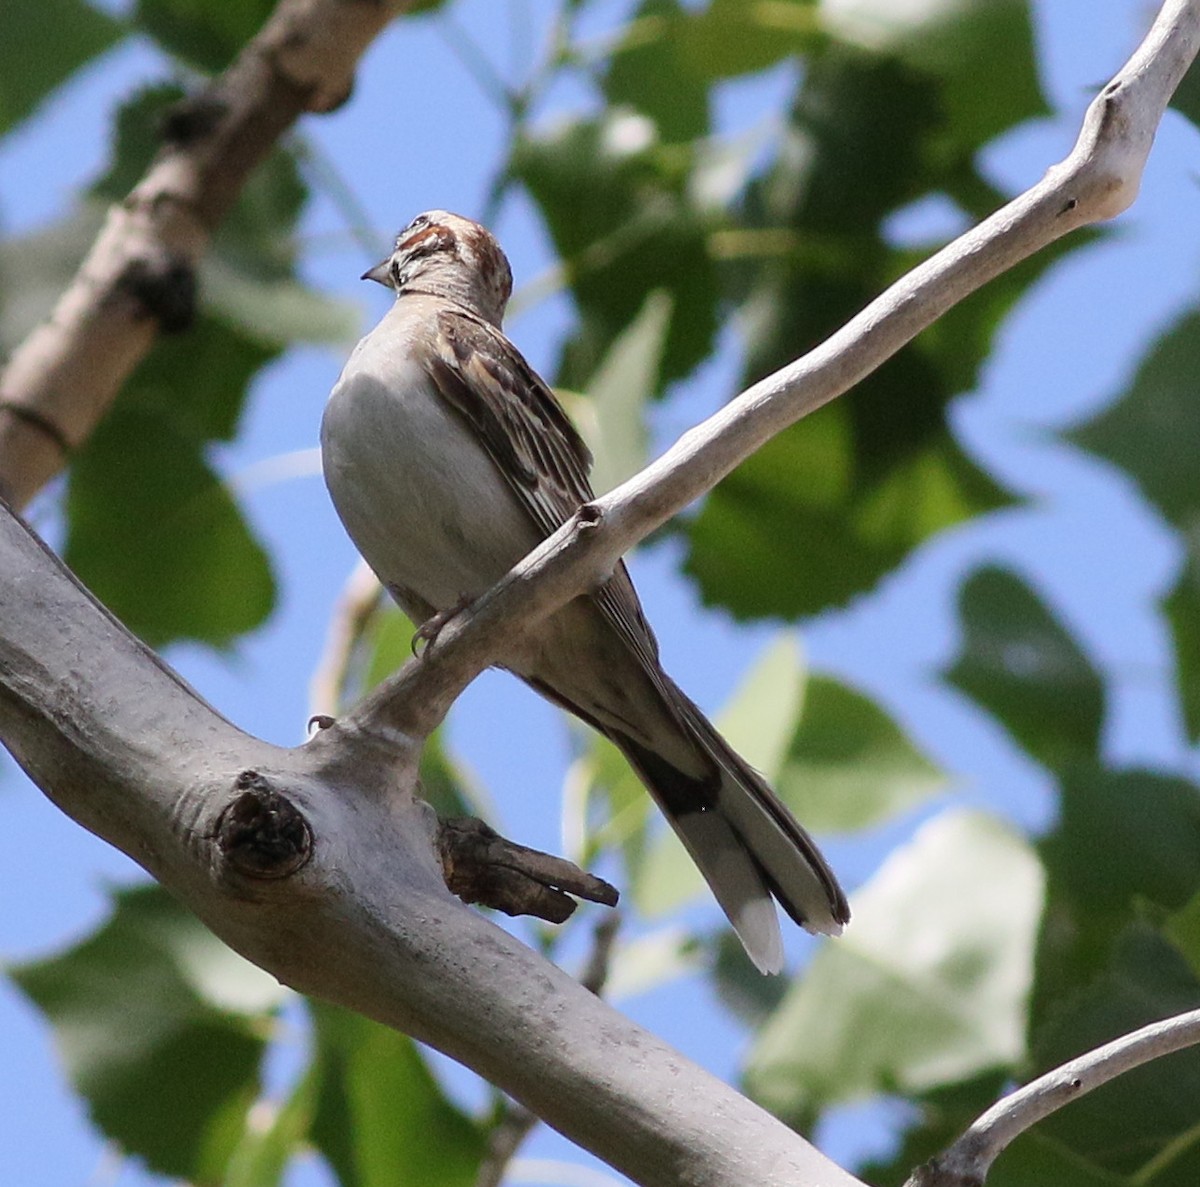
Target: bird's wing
(524, 429)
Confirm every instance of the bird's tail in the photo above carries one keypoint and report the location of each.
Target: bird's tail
(746, 843)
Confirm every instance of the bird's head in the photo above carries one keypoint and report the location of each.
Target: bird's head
(446, 255)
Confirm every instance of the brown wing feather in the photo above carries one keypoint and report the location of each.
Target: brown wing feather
(534, 445)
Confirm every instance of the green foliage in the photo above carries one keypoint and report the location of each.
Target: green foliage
(43, 45)
(616, 204)
(1023, 668)
(381, 1119)
(204, 33)
(161, 1029)
(1152, 433)
(832, 755)
(828, 507)
(152, 529)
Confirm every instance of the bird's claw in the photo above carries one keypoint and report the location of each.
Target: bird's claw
(429, 630)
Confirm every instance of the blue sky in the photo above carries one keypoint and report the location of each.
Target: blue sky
(419, 134)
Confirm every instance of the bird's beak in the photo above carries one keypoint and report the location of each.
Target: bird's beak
(379, 274)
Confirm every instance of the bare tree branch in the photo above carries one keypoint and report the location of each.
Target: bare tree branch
(1097, 181)
(139, 276)
(967, 1162)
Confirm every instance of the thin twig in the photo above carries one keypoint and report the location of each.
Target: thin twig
(360, 599)
(966, 1163)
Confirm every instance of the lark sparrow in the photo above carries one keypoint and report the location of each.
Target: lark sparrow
(448, 459)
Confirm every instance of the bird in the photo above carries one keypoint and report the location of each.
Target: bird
(448, 459)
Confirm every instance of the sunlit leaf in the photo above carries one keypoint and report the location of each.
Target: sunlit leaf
(926, 987)
(981, 51)
(652, 73)
(1183, 930)
(161, 1028)
(275, 1134)
(382, 1119)
(1021, 665)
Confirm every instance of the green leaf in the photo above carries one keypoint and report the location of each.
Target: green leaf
(836, 502)
(382, 1120)
(1183, 930)
(44, 43)
(617, 206)
(1181, 609)
(651, 72)
(1142, 1124)
(161, 1029)
(1153, 434)
(157, 537)
(1037, 1158)
(930, 978)
(205, 33)
(1152, 431)
(981, 51)
(668, 54)
(276, 1134)
(800, 527)
(832, 755)
(1019, 664)
(1127, 844)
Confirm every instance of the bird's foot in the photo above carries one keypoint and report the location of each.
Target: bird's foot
(426, 634)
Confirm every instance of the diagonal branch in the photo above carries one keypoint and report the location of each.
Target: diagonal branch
(139, 276)
(1097, 181)
(967, 1162)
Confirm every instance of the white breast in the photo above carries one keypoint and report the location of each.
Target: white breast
(418, 495)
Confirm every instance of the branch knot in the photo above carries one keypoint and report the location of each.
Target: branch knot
(262, 834)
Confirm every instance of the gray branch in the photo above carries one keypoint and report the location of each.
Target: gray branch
(967, 1162)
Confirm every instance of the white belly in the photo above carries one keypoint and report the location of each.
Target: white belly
(422, 501)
